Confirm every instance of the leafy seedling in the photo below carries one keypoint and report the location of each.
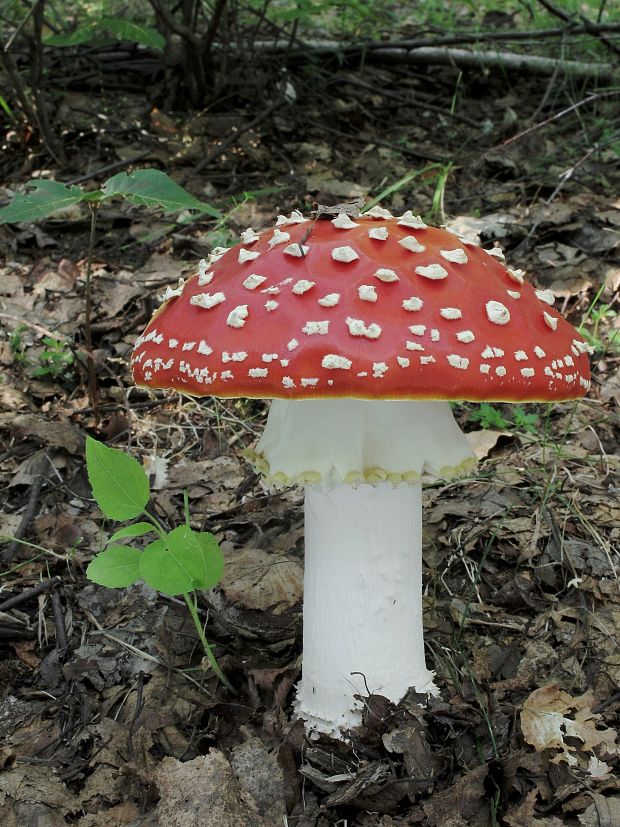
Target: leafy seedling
(56, 359)
(488, 416)
(177, 562)
(143, 187)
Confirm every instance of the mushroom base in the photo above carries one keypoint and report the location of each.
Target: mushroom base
(362, 601)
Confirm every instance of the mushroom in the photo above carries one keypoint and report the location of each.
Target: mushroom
(361, 332)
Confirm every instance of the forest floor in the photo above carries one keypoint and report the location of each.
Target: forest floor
(107, 714)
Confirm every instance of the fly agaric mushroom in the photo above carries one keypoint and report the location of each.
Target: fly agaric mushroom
(361, 331)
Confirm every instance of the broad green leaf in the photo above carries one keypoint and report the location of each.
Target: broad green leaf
(184, 561)
(116, 567)
(103, 28)
(201, 555)
(83, 34)
(45, 198)
(207, 566)
(153, 188)
(163, 570)
(134, 530)
(125, 30)
(118, 481)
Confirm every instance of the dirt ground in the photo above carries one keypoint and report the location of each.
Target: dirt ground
(108, 715)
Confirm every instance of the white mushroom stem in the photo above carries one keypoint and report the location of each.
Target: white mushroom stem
(361, 463)
(362, 601)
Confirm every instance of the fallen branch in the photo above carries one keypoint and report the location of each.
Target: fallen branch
(493, 59)
(441, 55)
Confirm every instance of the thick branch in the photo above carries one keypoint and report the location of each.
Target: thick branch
(461, 58)
(508, 61)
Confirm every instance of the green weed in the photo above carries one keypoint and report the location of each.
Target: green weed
(179, 561)
(488, 416)
(57, 359)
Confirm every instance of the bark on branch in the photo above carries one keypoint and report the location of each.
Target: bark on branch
(459, 58)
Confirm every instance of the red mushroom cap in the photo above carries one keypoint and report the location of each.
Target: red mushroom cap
(376, 308)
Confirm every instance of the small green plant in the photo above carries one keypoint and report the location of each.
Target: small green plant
(105, 28)
(177, 562)
(56, 359)
(598, 335)
(144, 187)
(17, 344)
(488, 416)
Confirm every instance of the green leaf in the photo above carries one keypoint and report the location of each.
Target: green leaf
(164, 571)
(101, 29)
(207, 566)
(118, 481)
(134, 530)
(45, 198)
(116, 567)
(7, 109)
(153, 188)
(125, 30)
(184, 561)
(83, 34)
(489, 417)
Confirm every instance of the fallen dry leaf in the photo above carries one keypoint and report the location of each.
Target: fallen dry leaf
(255, 579)
(36, 786)
(58, 433)
(484, 440)
(204, 791)
(550, 715)
(603, 812)
(259, 773)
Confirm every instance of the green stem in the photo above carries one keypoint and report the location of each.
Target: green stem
(193, 610)
(156, 524)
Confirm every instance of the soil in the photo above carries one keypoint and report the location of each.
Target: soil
(108, 714)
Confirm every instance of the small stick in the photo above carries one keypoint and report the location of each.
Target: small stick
(31, 508)
(232, 140)
(43, 331)
(607, 702)
(138, 709)
(40, 588)
(59, 622)
(108, 168)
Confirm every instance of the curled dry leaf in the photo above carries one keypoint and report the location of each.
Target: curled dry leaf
(484, 440)
(550, 716)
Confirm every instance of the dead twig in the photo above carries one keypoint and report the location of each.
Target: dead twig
(590, 28)
(43, 331)
(108, 168)
(564, 178)
(233, 140)
(31, 509)
(594, 96)
(28, 594)
(59, 622)
(415, 104)
(404, 150)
